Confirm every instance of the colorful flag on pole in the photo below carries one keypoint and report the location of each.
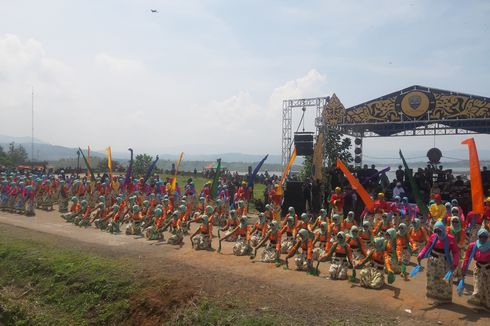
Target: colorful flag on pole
(109, 159)
(150, 170)
(288, 167)
(89, 169)
(475, 177)
(415, 190)
(109, 162)
(251, 178)
(174, 180)
(88, 160)
(368, 201)
(130, 168)
(214, 185)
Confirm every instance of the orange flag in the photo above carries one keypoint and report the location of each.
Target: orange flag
(475, 176)
(368, 201)
(288, 167)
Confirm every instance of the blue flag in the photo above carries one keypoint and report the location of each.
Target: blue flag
(130, 168)
(251, 178)
(150, 170)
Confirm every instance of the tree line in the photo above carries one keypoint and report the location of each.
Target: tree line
(15, 155)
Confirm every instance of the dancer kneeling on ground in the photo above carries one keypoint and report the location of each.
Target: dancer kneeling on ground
(358, 247)
(134, 227)
(231, 223)
(289, 229)
(322, 237)
(83, 219)
(377, 260)
(259, 230)
(341, 255)
(272, 250)
(201, 238)
(74, 210)
(242, 234)
(114, 224)
(304, 262)
(155, 231)
(101, 217)
(175, 226)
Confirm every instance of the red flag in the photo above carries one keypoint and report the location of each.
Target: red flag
(368, 201)
(475, 176)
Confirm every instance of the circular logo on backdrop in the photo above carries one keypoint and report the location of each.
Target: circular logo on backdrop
(415, 104)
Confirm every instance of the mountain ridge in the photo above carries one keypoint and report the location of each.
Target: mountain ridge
(44, 151)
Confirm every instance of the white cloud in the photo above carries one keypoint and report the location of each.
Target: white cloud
(238, 123)
(310, 85)
(24, 65)
(119, 65)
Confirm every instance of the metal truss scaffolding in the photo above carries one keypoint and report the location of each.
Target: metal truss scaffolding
(287, 120)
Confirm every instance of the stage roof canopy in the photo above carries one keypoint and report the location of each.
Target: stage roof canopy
(413, 111)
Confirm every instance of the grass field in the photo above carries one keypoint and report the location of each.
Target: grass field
(199, 182)
(42, 284)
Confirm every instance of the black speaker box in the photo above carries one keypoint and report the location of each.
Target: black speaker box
(293, 196)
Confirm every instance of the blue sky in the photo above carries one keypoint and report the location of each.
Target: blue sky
(210, 76)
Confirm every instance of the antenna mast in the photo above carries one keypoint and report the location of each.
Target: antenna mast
(32, 130)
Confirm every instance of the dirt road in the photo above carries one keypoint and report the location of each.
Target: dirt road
(260, 286)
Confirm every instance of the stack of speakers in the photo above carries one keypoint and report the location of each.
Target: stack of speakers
(293, 196)
(303, 141)
(358, 152)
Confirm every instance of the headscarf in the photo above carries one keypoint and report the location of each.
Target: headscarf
(457, 227)
(274, 226)
(262, 218)
(366, 225)
(402, 229)
(443, 236)
(323, 227)
(416, 223)
(243, 221)
(350, 216)
(439, 225)
(483, 247)
(323, 213)
(341, 238)
(354, 232)
(392, 234)
(379, 244)
(204, 219)
(304, 217)
(303, 235)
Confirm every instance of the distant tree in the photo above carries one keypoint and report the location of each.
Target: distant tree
(306, 168)
(102, 166)
(141, 164)
(337, 146)
(17, 154)
(4, 159)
